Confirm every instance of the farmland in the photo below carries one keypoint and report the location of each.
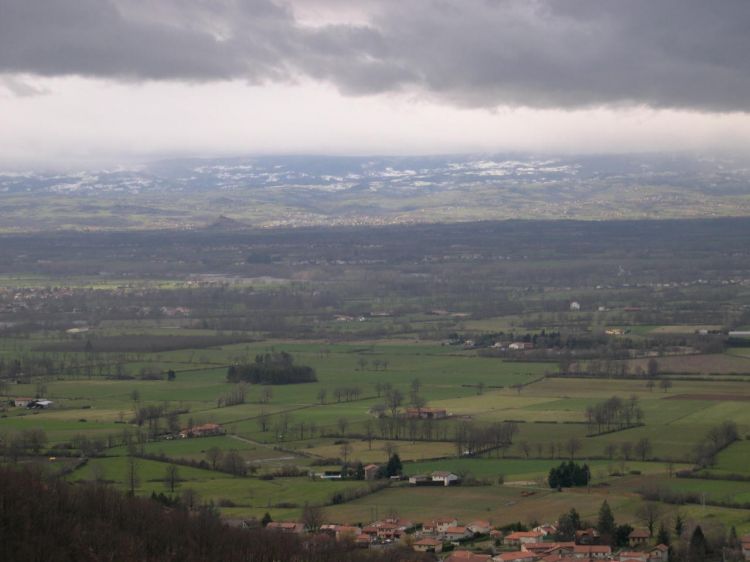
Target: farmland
(133, 359)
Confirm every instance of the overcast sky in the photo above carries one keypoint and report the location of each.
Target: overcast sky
(116, 81)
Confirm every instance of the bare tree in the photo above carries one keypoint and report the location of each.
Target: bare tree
(342, 424)
(652, 368)
(389, 449)
(610, 449)
(393, 400)
(233, 463)
(572, 446)
(626, 448)
(266, 393)
(643, 448)
(312, 518)
(263, 421)
(345, 450)
(190, 498)
(213, 456)
(131, 474)
(322, 395)
(171, 477)
(369, 432)
(649, 514)
(525, 448)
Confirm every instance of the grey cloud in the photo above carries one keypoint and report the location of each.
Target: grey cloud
(541, 53)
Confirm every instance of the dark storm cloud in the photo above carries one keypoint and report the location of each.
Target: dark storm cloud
(542, 53)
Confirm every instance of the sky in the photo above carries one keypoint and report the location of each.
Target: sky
(111, 82)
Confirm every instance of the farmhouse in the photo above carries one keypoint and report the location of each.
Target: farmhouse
(746, 546)
(21, 402)
(547, 548)
(329, 475)
(456, 533)
(660, 553)
(447, 478)
(519, 538)
(426, 413)
(371, 471)
(590, 551)
(39, 404)
(633, 556)
(428, 544)
(480, 527)
(286, 527)
(517, 556)
(547, 529)
(575, 306)
(362, 540)
(587, 536)
(205, 430)
(440, 525)
(420, 480)
(341, 532)
(466, 556)
(638, 537)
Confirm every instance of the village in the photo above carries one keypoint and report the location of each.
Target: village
(477, 541)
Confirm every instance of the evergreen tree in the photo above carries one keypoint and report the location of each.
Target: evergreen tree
(606, 524)
(567, 525)
(662, 537)
(266, 519)
(622, 535)
(679, 525)
(698, 547)
(732, 540)
(394, 467)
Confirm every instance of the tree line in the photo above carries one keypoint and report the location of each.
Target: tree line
(272, 368)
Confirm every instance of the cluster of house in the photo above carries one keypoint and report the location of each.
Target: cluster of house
(532, 546)
(520, 546)
(383, 533)
(205, 430)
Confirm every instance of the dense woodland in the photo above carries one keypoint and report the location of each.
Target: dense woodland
(95, 522)
(272, 368)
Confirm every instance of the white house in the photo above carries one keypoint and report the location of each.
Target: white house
(447, 478)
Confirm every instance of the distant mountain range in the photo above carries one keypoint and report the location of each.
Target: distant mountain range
(305, 190)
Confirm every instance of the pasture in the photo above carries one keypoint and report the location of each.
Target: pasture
(301, 424)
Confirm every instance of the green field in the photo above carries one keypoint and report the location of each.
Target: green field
(549, 412)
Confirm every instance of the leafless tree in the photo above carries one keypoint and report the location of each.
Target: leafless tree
(213, 456)
(345, 450)
(131, 474)
(572, 446)
(342, 424)
(171, 477)
(312, 518)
